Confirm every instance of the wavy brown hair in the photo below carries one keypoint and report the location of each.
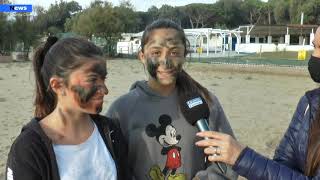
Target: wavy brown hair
(313, 150)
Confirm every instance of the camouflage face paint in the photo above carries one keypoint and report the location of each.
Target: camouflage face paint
(154, 63)
(84, 94)
(98, 68)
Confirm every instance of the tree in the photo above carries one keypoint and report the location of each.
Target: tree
(253, 9)
(52, 21)
(281, 11)
(311, 11)
(232, 15)
(25, 31)
(126, 16)
(198, 15)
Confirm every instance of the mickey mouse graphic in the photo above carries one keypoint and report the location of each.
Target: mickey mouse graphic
(166, 136)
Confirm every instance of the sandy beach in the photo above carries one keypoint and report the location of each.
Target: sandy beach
(258, 100)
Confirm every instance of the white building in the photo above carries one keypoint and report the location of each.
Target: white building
(244, 39)
(273, 38)
(208, 39)
(129, 44)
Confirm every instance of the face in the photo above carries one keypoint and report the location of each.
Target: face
(86, 87)
(163, 55)
(170, 138)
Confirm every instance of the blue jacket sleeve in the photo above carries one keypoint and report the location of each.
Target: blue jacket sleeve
(287, 151)
(252, 165)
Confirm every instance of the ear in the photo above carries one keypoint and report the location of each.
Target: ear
(151, 130)
(164, 120)
(57, 85)
(142, 57)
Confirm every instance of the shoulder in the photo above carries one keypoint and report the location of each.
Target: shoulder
(29, 134)
(28, 143)
(128, 97)
(215, 105)
(107, 125)
(127, 100)
(307, 103)
(103, 121)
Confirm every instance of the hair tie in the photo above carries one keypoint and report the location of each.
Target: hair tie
(50, 42)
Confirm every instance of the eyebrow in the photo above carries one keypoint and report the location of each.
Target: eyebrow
(169, 40)
(97, 69)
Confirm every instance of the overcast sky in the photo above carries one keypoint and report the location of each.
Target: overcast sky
(140, 5)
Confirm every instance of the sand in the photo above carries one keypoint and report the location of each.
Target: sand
(258, 100)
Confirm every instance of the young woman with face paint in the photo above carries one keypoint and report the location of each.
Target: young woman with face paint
(298, 154)
(67, 138)
(160, 141)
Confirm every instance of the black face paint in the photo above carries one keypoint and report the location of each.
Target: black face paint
(314, 68)
(84, 94)
(99, 68)
(154, 63)
(152, 66)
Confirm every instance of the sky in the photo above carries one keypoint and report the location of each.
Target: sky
(140, 5)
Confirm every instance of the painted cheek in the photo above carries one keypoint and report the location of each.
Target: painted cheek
(152, 66)
(84, 94)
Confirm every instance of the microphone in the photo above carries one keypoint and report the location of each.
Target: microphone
(196, 111)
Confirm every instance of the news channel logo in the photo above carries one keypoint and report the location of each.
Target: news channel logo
(15, 8)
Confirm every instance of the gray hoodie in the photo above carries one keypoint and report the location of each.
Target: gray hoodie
(161, 143)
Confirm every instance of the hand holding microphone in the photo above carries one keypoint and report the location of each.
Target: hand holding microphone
(196, 111)
(227, 148)
(218, 146)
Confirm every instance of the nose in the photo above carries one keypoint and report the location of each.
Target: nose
(102, 89)
(178, 137)
(106, 91)
(167, 62)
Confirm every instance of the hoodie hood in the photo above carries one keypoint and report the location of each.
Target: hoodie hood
(34, 126)
(143, 88)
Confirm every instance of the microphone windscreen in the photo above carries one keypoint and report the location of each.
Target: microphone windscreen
(194, 108)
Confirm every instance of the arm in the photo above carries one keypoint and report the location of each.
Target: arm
(286, 151)
(218, 122)
(255, 166)
(121, 146)
(246, 161)
(252, 165)
(21, 163)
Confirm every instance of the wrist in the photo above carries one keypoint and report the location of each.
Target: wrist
(238, 154)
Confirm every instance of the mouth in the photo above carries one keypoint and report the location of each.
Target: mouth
(98, 98)
(166, 72)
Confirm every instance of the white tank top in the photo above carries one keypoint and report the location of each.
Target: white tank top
(88, 160)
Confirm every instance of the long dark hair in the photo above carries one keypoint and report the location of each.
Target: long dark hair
(58, 58)
(185, 83)
(313, 150)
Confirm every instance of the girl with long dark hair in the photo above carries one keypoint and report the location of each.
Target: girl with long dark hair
(160, 141)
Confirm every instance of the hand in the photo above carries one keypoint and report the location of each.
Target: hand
(220, 147)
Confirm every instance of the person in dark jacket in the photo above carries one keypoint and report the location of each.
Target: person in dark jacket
(298, 155)
(68, 139)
